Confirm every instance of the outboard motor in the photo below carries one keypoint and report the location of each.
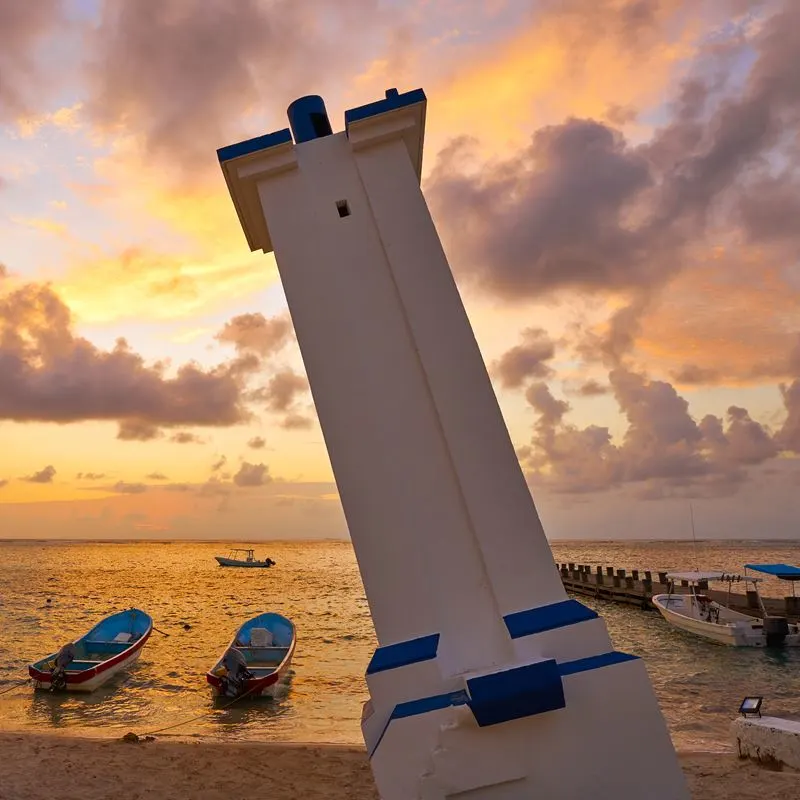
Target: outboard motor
(64, 657)
(776, 629)
(235, 680)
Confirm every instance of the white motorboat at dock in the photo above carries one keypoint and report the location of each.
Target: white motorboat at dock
(695, 612)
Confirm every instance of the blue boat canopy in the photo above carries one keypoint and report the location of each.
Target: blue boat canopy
(785, 572)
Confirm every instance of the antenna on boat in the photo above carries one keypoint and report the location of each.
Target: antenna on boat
(694, 538)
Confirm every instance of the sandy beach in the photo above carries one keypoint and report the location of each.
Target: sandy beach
(40, 767)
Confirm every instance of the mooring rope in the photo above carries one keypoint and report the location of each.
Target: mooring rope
(199, 716)
(15, 685)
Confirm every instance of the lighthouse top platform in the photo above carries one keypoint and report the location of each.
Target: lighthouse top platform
(245, 163)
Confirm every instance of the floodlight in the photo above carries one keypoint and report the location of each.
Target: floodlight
(751, 706)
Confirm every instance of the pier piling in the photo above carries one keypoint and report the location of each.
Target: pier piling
(637, 589)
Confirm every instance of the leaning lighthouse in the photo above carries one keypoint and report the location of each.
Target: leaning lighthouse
(488, 682)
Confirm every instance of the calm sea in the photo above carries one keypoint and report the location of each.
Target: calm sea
(200, 605)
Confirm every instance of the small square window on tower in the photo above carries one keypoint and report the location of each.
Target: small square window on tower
(343, 208)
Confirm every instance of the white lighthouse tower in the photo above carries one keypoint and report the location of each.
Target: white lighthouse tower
(488, 682)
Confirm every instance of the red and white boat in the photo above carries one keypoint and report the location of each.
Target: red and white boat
(87, 663)
(257, 660)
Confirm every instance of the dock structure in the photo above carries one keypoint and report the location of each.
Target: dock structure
(636, 587)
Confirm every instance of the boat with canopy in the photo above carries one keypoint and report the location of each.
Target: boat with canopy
(233, 559)
(695, 612)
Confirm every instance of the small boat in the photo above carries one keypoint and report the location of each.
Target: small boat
(248, 561)
(256, 660)
(695, 612)
(90, 661)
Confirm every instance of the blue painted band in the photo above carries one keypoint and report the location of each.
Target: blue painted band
(414, 707)
(254, 145)
(425, 705)
(594, 662)
(404, 653)
(392, 102)
(516, 693)
(547, 618)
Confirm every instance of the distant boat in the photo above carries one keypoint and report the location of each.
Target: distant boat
(256, 660)
(90, 661)
(248, 561)
(695, 612)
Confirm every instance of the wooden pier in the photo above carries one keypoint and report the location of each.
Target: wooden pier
(637, 587)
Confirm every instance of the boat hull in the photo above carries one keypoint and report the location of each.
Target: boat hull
(740, 630)
(232, 562)
(260, 685)
(88, 680)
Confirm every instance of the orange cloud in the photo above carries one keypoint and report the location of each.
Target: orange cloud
(48, 226)
(730, 320)
(571, 59)
(67, 118)
(146, 284)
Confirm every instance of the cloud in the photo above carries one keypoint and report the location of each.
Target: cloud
(45, 475)
(219, 464)
(182, 75)
(23, 26)
(282, 390)
(214, 487)
(664, 450)
(294, 421)
(694, 375)
(789, 435)
(585, 208)
(136, 281)
(50, 374)
(526, 360)
(280, 396)
(255, 333)
(90, 476)
(157, 476)
(3, 482)
(257, 443)
(186, 437)
(136, 430)
(66, 118)
(123, 487)
(252, 475)
(552, 216)
(592, 388)
(47, 226)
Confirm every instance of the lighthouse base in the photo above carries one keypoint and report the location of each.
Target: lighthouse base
(604, 737)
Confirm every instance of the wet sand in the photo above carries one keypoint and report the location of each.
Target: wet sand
(41, 767)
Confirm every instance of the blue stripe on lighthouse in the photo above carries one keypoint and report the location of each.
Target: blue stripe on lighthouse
(402, 654)
(547, 618)
(392, 102)
(254, 145)
(531, 682)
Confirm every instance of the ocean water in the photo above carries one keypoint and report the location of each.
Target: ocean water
(699, 685)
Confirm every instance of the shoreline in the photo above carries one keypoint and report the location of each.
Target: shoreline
(41, 765)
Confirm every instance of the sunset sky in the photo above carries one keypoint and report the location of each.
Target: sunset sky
(617, 186)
